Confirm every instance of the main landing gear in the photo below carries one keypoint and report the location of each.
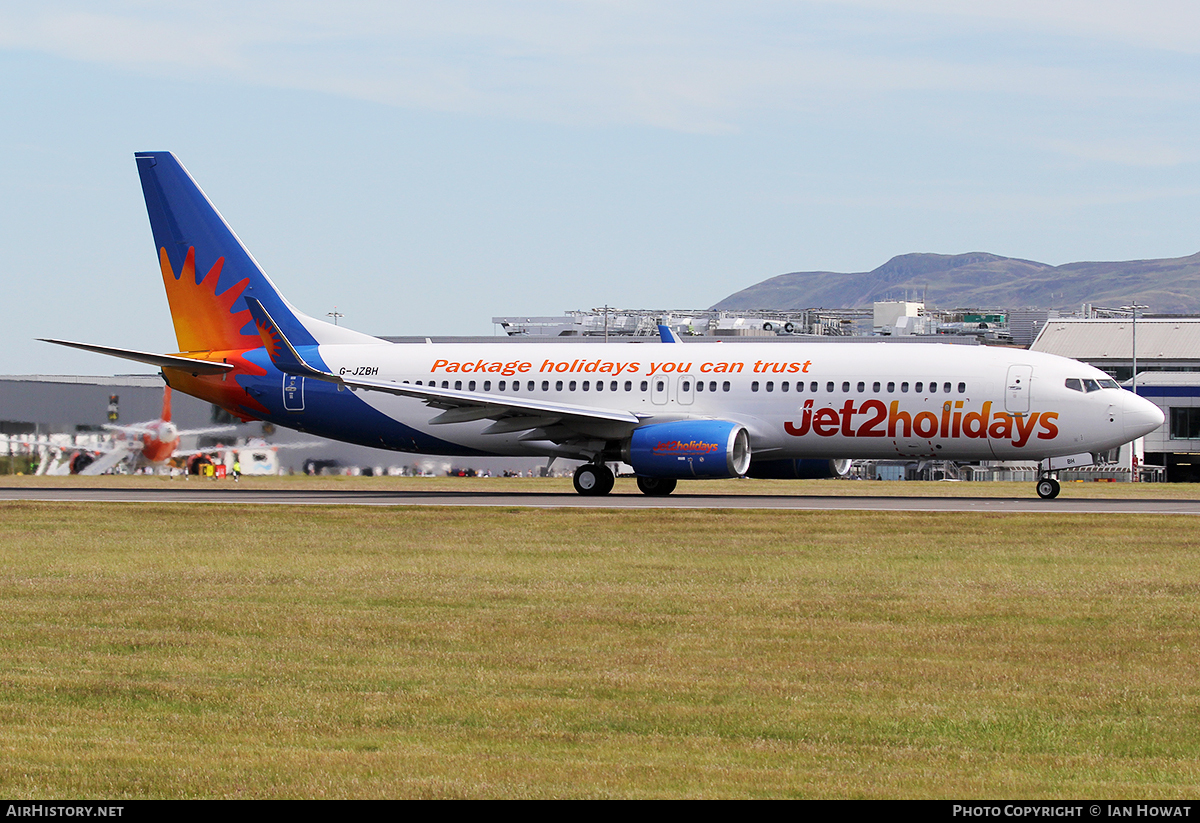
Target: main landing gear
(597, 479)
(656, 486)
(593, 479)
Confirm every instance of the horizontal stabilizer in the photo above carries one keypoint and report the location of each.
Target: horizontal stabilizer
(164, 361)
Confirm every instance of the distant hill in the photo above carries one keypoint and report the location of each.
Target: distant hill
(980, 279)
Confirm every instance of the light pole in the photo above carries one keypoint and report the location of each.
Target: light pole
(1133, 309)
(335, 314)
(606, 308)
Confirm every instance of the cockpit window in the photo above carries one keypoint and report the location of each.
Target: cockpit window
(1089, 385)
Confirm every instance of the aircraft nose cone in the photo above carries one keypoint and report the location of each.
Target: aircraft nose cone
(1141, 416)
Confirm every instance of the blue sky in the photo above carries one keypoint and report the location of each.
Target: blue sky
(423, 167)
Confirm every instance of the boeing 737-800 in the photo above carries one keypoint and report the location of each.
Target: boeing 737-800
(671, 411)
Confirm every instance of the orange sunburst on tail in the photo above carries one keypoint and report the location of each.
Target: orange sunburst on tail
(205, 320)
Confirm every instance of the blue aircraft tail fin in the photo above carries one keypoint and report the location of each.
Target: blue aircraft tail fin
(206, 270)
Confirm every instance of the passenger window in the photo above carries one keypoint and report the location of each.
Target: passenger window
(712, 385)
(829, 387)
(725, 386)
(933, 387)
(545, 385)
(528, 387)
(628, 386)
(862, 387)
(659, 386)
(1074, 384)
(754, 386)
(471, 386)
(891, 387)
(687, 385)
(445, 384)
(645, 385)
(946, 388)
(846, 386)
(571, 386)
(904, 387)
(458, 385)
(613, 385)
(783, 386)
(875, 387)
(770, 386)
(962, 388)
(812, 387)
(500, 386)
(917, 388)
(558, 385)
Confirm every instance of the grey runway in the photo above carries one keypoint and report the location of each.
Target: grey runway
(291, 497)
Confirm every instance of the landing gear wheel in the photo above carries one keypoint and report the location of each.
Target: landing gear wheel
(656, 486)
(593, 479)
(1048, 488)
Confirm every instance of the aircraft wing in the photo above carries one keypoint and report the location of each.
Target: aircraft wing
(130, 429)
(560, 423)
(208, 430)
(302, 444)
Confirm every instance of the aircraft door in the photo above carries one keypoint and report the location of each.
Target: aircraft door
(293, 393)
(660, 389)
(1016, 389)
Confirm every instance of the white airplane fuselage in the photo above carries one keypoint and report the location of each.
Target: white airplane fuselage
(798, 400)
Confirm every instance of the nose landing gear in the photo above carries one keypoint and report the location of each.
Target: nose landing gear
(1048, 488)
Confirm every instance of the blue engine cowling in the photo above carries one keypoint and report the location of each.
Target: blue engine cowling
(798, 469)
(690, 448)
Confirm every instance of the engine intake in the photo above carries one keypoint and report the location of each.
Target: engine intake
(690, 448)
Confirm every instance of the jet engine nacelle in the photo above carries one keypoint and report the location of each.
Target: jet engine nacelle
(798, 469)
(80, 461)
(690, 448)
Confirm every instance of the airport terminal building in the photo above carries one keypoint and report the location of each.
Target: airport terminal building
(1168, 374)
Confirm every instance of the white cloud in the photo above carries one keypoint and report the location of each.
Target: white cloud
(686, 66)
(1156, 24)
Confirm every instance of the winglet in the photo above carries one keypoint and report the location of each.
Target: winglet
(281, 351)
(667, 334)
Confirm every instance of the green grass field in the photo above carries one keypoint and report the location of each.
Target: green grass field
(200, 651)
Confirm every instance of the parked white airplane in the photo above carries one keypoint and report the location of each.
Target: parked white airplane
(674, 411)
